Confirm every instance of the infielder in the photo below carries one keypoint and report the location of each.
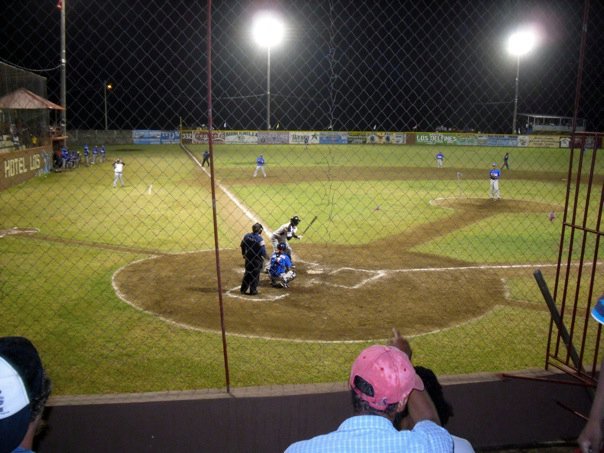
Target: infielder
(284, 233)
(260, 165)
(440, 159)
(494, 175)
(281, 270)
(118, 169)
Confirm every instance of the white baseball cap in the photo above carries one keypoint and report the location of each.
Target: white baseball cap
(15, 411)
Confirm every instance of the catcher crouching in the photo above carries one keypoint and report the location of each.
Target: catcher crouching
(281, 270)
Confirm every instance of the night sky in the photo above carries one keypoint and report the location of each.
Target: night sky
(393, 64)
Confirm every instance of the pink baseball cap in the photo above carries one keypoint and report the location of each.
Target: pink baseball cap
(389, 371)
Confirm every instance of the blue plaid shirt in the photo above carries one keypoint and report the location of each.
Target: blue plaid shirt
(375, 434)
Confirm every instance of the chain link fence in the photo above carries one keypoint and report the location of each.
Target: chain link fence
(136, 288)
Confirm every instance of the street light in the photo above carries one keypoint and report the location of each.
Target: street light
(268, 31)
(107, 86)
(520, 43)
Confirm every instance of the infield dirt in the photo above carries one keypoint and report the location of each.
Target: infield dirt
(339, 294)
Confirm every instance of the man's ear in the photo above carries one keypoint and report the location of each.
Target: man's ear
(400, 407)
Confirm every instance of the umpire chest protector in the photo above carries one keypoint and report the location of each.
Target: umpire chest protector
(251, 246)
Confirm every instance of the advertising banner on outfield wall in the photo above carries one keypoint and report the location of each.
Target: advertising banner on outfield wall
(434, 138)
(303, 138)
(438, 138)
(19, 166)
(273, 138)
(497, 140)
(155, 137)
(380, 138)
(357, 137)
(241, 137)
(200, 136)
(333, 138)
(539, 141)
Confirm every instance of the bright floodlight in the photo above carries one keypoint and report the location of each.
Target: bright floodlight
(268, 30)
(522, 42)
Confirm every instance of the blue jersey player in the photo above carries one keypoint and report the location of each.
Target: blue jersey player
(494, 175)
(86, 154)
(440, 159)
(281, 270)
(260, 165)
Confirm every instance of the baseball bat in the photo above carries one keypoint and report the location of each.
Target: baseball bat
(309, 225)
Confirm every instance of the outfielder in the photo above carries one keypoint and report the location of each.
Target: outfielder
(284, 233)
(440, 159)
(494, 175)
(281, 270)
(260, 165)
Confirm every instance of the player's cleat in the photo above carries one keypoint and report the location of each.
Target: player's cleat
(253, 293)
(598, 311)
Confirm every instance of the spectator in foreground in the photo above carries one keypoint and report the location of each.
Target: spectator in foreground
(24, 390)
(590, 439)
(383, 382)
(444, 409)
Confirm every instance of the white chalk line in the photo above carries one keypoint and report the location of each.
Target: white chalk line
(263, 298)
(246, 211)
(16, 230)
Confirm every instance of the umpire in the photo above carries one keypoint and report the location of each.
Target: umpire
(254, 253)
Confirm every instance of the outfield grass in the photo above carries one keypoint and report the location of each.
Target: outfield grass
(57, 284)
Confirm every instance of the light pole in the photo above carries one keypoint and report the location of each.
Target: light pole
(268, 31)
(107, 86)
(520, 43)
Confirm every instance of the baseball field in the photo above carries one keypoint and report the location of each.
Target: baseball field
(119, 286)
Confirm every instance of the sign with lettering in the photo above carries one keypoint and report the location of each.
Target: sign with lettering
(19, 166)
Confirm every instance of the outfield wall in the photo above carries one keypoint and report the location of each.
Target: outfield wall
(200, 136)
(19, 166)
(378, 138)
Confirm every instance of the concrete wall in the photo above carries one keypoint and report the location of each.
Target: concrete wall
(490, 412)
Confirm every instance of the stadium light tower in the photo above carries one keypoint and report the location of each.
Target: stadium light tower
(268, 31)
(520, 43)
(107, 86)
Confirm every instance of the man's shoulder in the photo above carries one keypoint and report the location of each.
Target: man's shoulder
(377, 434)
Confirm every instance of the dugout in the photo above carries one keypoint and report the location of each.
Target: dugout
(532, 123)
(26, 114)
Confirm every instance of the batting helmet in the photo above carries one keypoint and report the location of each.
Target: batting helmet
(282, 246)
(257, 228)
(295, 220)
